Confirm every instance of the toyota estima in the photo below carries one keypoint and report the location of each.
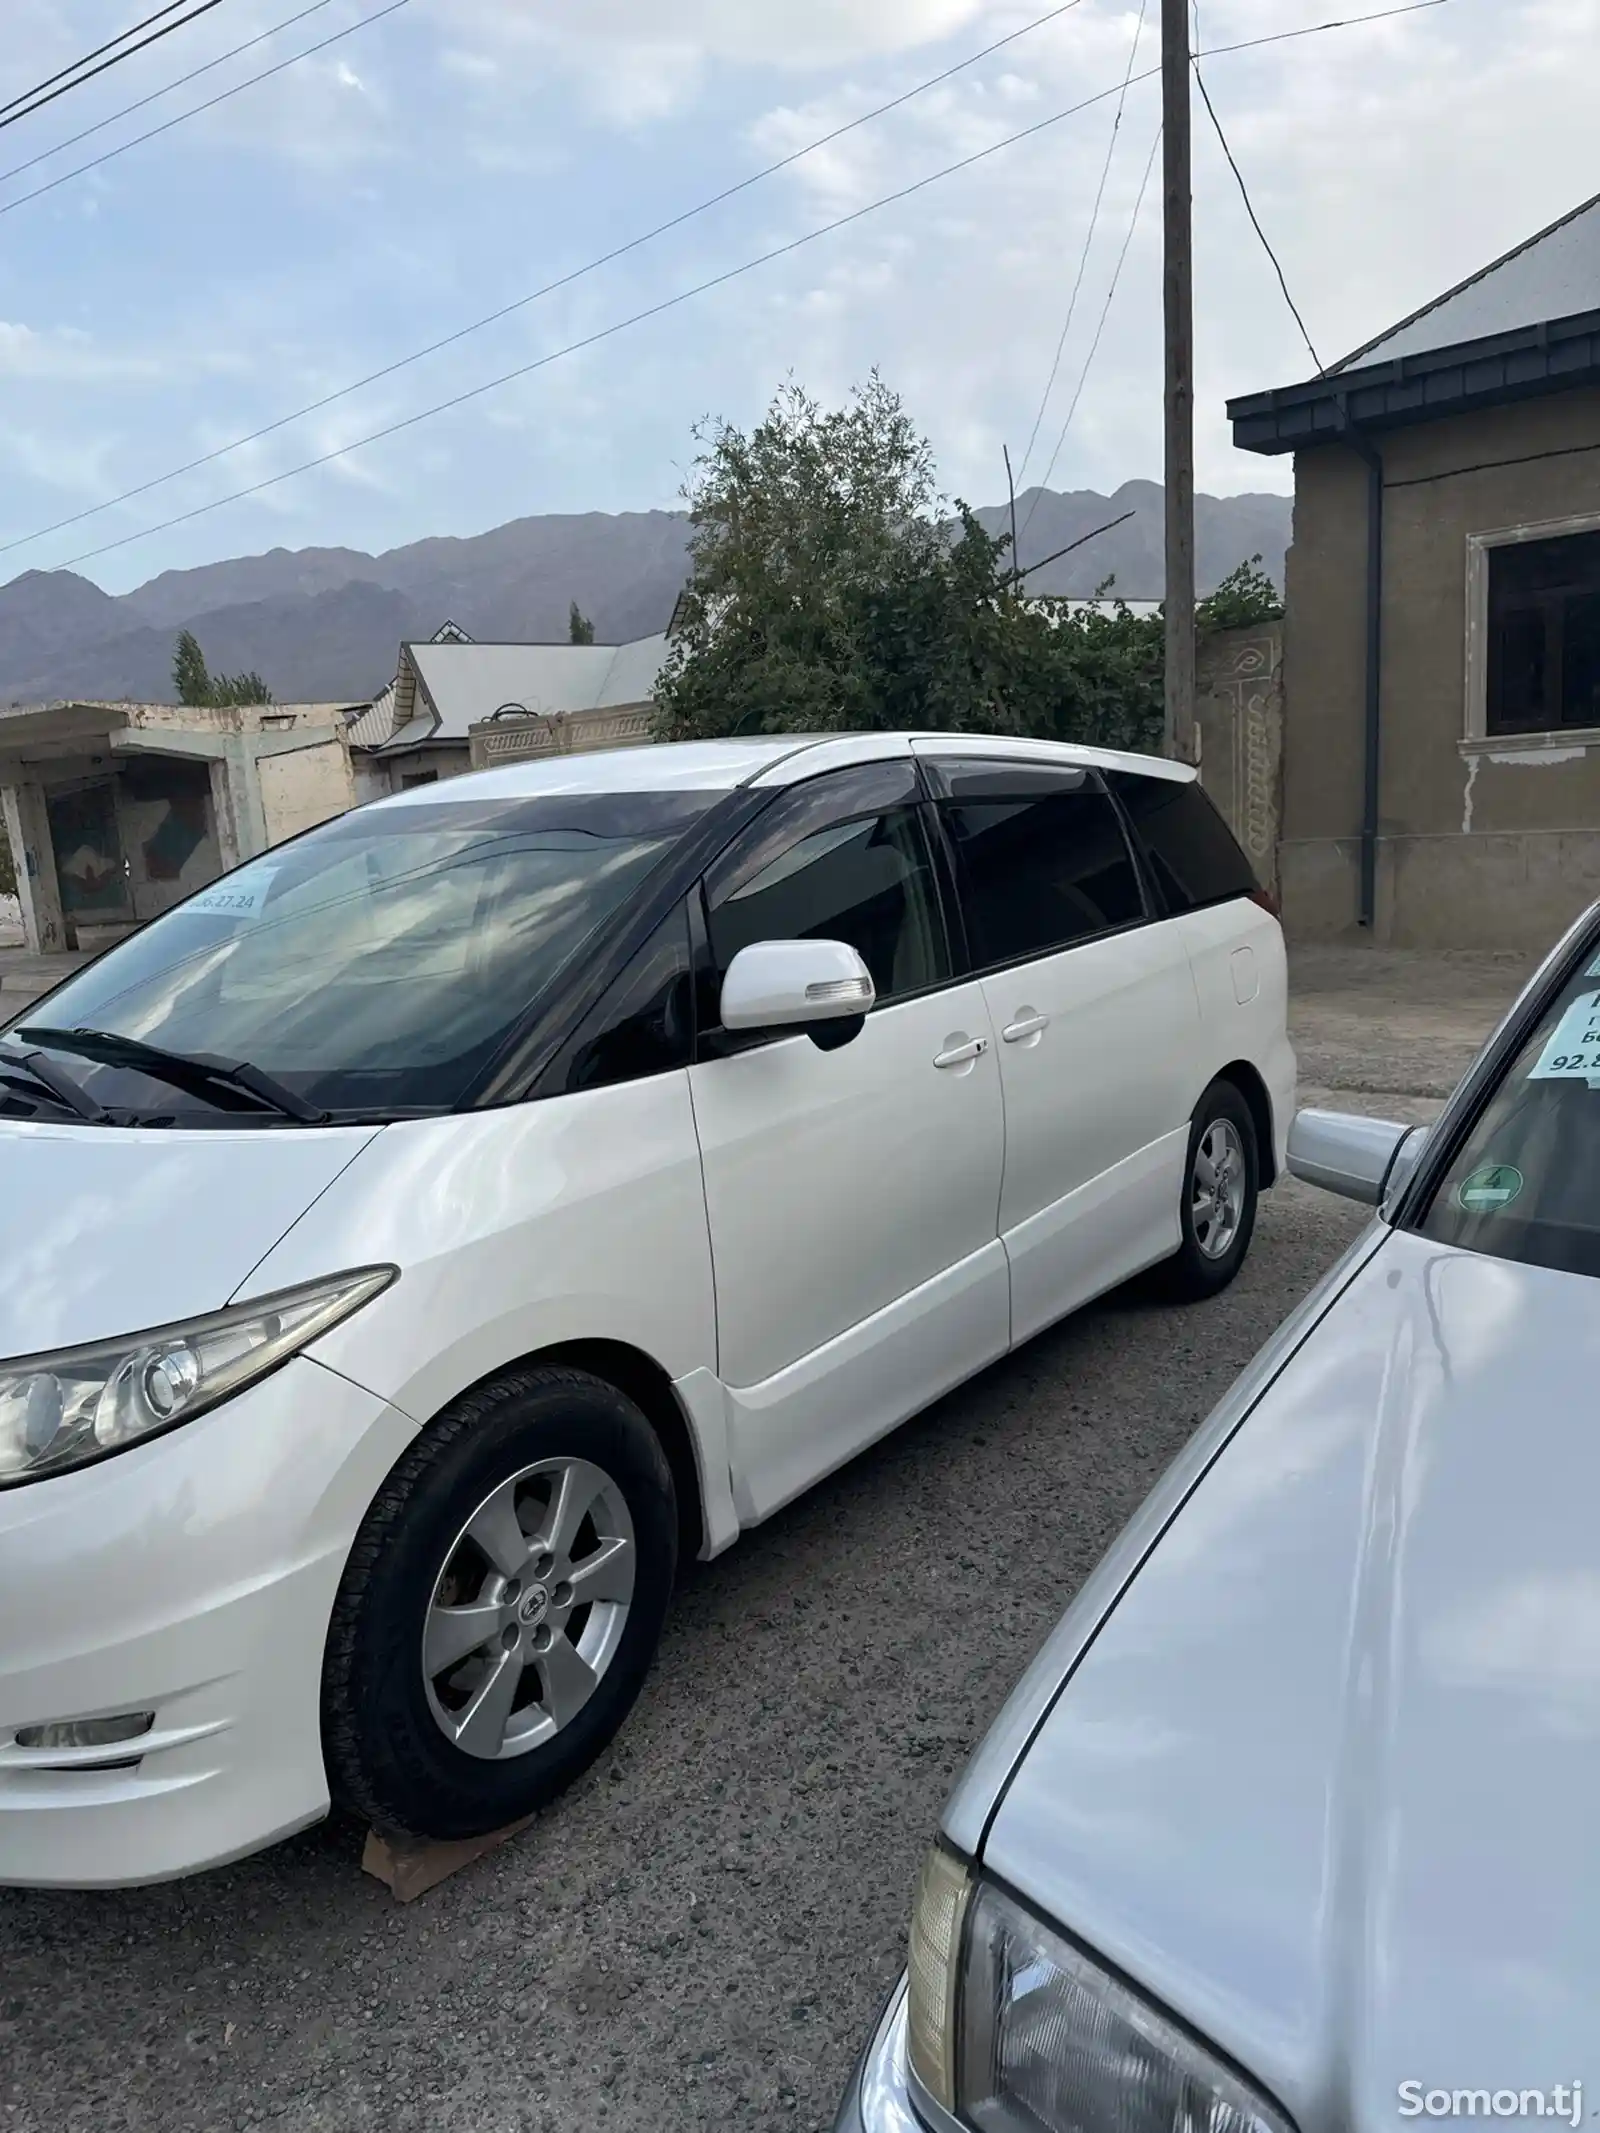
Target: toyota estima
(417, 1240)
(1290, 1824)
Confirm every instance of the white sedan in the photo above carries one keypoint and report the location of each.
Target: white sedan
(418, 1240)
(1287, 1824)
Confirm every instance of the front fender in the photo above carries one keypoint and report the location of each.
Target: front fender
(579, 1218)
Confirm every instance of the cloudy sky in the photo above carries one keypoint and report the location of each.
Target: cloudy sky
(453, 156)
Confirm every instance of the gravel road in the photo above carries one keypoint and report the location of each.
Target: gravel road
(698, 1935)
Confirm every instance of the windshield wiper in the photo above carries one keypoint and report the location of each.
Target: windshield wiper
(182, 1070)
(60, 1088)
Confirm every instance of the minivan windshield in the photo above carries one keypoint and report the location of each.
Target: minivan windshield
(374, 965)
(1525, 1182)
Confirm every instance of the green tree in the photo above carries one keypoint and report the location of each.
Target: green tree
(190, 676)
(831, 589)
(198, 686)
(580, 630)
(239, 689)
(1245, 597)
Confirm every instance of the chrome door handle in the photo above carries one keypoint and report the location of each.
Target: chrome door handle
(1024, 1026)
(960, 1054)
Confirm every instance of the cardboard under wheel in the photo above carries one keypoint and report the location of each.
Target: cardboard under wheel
(410, 1866)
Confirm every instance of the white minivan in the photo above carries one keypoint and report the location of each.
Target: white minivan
(418, 1240)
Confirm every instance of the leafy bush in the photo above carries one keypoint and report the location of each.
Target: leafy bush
(831, 590)
(1245, 597)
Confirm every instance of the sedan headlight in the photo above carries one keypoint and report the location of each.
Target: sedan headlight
(63, 1410)
(1013, 2029)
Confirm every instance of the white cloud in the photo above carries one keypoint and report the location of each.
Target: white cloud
(72, 356)
(784, 33)
(468, 150)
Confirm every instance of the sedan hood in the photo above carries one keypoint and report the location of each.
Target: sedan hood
(105, 1231)
(1325, 1780)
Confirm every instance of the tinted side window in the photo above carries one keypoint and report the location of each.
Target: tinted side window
(869, 883)
(1041, 874)
(1191, 850)
(643, 1026)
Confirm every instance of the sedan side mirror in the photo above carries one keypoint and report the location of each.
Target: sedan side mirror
(819, 986)
(1355, 1157)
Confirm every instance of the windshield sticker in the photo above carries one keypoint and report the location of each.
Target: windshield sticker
(235, 899)
(1573, 1052)
(1490, 1188)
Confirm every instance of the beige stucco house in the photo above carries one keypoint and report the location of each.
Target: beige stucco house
(1441, 732)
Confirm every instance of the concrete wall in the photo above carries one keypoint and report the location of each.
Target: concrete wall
(1239, 707)
(513, 740)
(378, 776)
(1483, 843)
(305, 787)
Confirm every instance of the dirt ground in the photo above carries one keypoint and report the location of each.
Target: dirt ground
(698, 1935)
(1371, 1022)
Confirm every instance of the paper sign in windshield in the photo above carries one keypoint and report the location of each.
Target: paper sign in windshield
(1573, 1052)
(233, 899)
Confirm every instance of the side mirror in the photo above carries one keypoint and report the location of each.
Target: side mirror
(1352, 1156)
(813, 985)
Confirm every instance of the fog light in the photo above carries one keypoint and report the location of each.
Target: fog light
(87, 1732)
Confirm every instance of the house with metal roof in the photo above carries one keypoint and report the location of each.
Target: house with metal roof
(455, 705)
(1441, 753)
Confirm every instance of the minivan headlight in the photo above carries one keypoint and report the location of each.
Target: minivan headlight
(1050, 2042)
(64, 1409)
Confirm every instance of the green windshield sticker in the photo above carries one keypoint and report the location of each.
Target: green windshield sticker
(1573, 1052)
(1491, 1187)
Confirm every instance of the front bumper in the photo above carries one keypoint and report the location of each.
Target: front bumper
(192, 1577)
(878, 2099)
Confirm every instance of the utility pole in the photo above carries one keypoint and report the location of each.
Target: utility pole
(1178, 309)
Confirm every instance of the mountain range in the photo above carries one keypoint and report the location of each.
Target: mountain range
(324, 625)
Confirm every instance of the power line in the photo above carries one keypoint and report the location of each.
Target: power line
(535, 295)
(1414, 7)
(1015, 577)
(1088, 244)
(1099, 331)
(1255, 220)
(1315, 29)
(61, 73)
(604, 333)
(194, 111)
(79, 79)
(207, 67)
(698, 289)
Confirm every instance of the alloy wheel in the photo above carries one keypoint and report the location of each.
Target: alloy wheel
(529, 1609)
(1217, 1189)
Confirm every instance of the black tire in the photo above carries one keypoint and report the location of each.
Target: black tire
(389, 1760)
(1195, 1272)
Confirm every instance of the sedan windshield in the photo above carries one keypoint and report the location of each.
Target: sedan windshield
(375, 965)
(1525, 1182)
